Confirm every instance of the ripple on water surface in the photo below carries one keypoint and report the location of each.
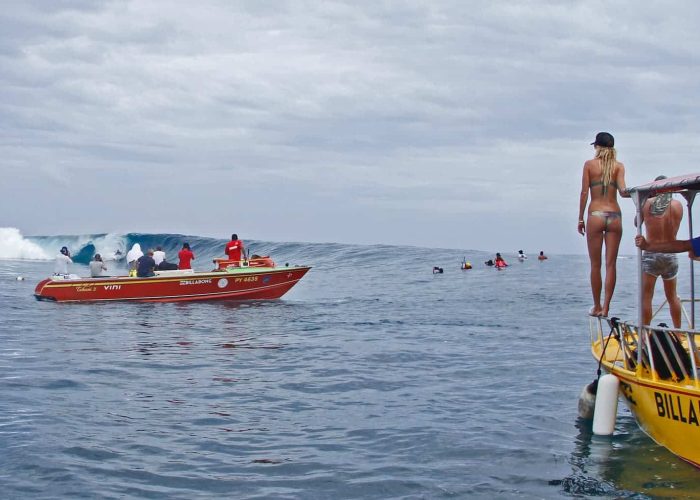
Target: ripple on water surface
(366, 381)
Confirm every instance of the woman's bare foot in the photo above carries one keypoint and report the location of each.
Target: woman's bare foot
(604, 312)
(596, 311)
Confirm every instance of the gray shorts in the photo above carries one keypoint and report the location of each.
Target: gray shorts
(664, 265)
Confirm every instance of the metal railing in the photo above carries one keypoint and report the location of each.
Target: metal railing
(666, 353)
(683, 311)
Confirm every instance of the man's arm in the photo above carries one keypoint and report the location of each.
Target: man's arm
(620, 181)
(673, 246)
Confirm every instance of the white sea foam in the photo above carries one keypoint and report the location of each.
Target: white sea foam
(14, 246)
(108, 245)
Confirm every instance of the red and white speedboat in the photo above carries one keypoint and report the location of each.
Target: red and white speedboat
(232, 283)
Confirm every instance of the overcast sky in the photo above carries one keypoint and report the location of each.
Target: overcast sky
(454, 124)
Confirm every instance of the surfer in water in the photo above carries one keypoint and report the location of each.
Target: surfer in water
(500, 263)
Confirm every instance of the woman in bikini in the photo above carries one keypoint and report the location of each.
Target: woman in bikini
(604, 177)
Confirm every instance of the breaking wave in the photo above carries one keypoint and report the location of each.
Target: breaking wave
(14, 246)
(114, 246)
(82, 247)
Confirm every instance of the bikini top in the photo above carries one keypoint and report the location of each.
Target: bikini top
(600, 183)
(605, 188)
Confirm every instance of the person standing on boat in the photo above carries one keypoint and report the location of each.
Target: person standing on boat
(97, 265)
(662, 217)
(186, 257)
(159, 255)
(234, 248)
(62, 261)
(604, 178)
(132, 257)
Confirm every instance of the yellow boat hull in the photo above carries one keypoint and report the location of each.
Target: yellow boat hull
(668, 411)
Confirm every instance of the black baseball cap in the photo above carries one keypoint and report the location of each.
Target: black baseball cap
(604, 140)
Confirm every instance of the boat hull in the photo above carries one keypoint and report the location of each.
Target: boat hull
(669, 414)
(244, 284)
(667, 410)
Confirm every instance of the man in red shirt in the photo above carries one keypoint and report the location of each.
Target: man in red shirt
(186, 256)
(234, 248)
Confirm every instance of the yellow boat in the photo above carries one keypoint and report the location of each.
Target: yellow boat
(657, 367)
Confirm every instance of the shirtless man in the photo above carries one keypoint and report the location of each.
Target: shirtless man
(662, 217)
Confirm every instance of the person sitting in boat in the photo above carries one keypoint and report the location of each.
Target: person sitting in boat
(132, 257)
(62, 261)
(97, 265)
(234, 248)
(542, 256)
(186, 257)
(165, 265)
(662, 217)
(159, 255)
(521, 255)
(146, 265)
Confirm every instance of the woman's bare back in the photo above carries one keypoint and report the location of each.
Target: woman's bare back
(603, 198)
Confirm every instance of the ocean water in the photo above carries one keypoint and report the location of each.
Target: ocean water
(372, 378)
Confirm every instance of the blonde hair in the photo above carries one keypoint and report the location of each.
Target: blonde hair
(608, 161)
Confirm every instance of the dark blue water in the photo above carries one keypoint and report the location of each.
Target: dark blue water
(373, 378)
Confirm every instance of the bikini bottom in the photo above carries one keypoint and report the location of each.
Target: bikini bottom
(607, 216)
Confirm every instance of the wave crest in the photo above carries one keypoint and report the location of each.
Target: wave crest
(14, 246)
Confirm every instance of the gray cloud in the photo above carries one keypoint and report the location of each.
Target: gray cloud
(367, 121)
